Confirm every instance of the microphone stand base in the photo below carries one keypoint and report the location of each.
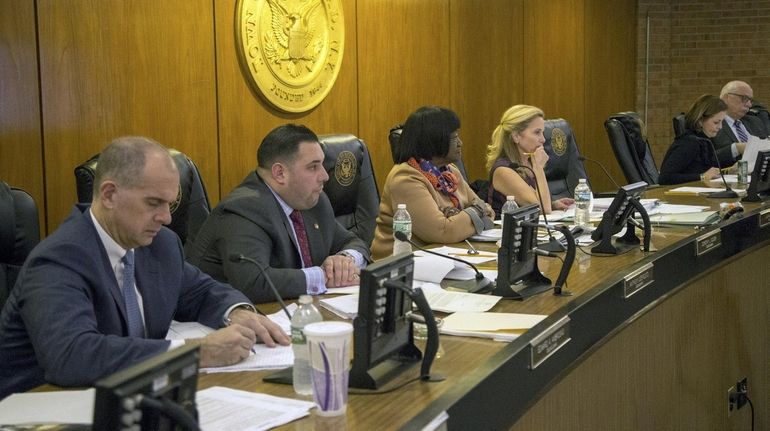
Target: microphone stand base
(562, 292)
(553, 246)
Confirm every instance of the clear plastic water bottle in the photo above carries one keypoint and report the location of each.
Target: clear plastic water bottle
(402, 221)
(305, 314)
(583, 198)
(509, 206)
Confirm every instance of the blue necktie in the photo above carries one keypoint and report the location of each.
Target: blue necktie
(133, 316)
(742, 135)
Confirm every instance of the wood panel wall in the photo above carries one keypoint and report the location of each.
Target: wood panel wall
(169, 70)
(21, 146)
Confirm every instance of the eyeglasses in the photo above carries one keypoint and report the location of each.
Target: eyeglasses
(744, 98)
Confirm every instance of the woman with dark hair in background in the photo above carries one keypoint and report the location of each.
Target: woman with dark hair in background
(691, 156)
(442, 205)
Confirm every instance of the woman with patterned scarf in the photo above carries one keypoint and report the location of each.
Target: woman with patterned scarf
(443, 207)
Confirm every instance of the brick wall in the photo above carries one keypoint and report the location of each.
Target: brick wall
(695, 47)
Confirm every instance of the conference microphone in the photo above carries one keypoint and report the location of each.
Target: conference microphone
(727, 192)
(483, 284)
(553, 244)
(606, 173)
(241, 258)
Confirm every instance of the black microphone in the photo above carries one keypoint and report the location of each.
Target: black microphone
(727, 192)
(553, 244)
(606, 173)
(241, 258)
(483, 284)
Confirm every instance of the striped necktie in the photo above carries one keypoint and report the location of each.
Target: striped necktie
(743, 136)
(133, 315)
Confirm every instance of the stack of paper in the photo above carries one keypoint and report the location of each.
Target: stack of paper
(345, 306)
(261, 358)
(498, 326)
(230, 409)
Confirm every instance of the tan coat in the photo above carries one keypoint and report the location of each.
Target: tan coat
(407, 185)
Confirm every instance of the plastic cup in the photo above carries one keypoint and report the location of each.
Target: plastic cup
(329, 343)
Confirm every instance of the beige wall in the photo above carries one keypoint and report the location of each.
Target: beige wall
(169, 70)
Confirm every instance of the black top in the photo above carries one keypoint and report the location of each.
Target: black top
(687, 158)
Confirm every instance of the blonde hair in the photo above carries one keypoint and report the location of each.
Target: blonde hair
(515, 119)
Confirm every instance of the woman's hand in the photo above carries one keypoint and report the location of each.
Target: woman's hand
(562, 203)
(539, 157)
(709, 175)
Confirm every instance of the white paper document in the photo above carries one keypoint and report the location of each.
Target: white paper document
(498, 326)
(224, 409)
(754, 146)
(450, 302)
(345, 306)
(261, 358)
(58, 407)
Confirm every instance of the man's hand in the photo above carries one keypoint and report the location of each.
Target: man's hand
(226, 346)
(263, 328)
(340, 271)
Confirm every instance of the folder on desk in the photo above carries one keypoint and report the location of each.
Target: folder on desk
(687, 219)
(498, 326)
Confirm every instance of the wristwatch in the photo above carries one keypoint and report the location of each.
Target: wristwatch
(228, 321)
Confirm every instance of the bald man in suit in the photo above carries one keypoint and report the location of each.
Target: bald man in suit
(98, 295)
(731, 140)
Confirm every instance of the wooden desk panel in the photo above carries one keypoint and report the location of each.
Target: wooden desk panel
(659, 359)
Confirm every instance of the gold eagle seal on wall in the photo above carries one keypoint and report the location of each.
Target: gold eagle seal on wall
(558, 141)
(291, 50)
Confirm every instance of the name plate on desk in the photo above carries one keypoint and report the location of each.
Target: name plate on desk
(637, 280)
(547, 343)
(764, 217)
(710, 241)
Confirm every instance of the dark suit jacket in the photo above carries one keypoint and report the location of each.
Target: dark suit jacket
(725, 138)
(64, 322)
(250, 221)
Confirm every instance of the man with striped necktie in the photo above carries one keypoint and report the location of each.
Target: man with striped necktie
(730, 142)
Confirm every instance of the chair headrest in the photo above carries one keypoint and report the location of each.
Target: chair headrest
(20, 230)
(630, 124)
(343, 157)
(394, 137)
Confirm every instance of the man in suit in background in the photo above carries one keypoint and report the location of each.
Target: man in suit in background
(99, 294)
(280, 217)
(731, 140)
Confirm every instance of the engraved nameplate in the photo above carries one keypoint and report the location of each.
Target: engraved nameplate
(547, 343)
(637, 280)
(764, 217)
(710, 241)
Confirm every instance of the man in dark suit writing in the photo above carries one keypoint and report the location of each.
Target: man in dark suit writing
(731, 140)
(280, 217)
(98, 295)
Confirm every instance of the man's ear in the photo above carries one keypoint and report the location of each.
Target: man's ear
(107, 191)
(278, 171)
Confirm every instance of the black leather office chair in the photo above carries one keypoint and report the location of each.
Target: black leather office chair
(19, 234)
(187, 214)
(394, 137)
(631, 148)
(679, 124)
(564, 169)
(351, 188)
